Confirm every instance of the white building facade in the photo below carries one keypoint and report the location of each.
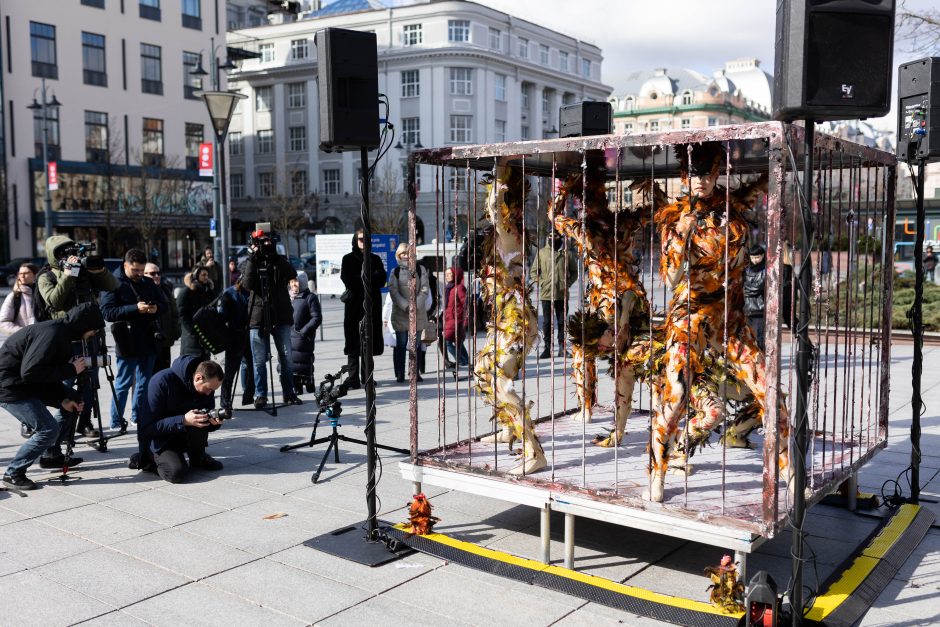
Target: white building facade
(121, 70)
(454, 72)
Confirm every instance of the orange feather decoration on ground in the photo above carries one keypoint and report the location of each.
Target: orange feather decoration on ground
(419, 515)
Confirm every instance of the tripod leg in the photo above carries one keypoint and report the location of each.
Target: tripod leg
(335, 437)
(326, 455)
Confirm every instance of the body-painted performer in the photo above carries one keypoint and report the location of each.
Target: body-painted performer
(698, 248)
(513, 329)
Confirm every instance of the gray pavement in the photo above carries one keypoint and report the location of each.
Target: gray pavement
(122, 548)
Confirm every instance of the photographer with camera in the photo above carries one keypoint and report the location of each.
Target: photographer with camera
(72, 277)
(169, 322)
(270, 313)
(33, 363)
(133, 309)
(199, 292)
(176, 419)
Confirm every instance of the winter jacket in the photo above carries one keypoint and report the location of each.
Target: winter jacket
(754, 290)
(455, 309)
(12, 321)
(351, 274)
(170, 395)
(192, 299)
(121, 305)
(170, 321)
(35, 360)
(215, 272)
(60, 291)
(303, 333)
(234, 308)
(930, 261)
(280, 273)
(398, 289)
(554, 284)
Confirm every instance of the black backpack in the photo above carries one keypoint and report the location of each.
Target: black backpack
(41, 309)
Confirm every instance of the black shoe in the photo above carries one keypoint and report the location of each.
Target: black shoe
(26, 431)
(58, 461)
(354, 384)
(545, 354)
(206, 462)
(90, 432)
(247, 399)
(260, 402)
(420, 378)
(18, 482)
(400, 379)
(294, 400)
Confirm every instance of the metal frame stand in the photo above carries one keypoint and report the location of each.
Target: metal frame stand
(917, 328)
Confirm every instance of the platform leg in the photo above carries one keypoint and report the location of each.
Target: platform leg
(740, 557)
(851, 492)
(569, 541)
(546, 527)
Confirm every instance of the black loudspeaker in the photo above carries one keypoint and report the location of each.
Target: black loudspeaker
(586, 118)
(348, 81)
(919, 110)
(833, 59)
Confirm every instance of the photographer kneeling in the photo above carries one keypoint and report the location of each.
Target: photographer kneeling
(175, 419)
(33, 363)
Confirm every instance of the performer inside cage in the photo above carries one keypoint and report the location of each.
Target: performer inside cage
(703, 237)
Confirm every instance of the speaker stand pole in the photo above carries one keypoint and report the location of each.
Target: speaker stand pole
(804, 358)
(917, 328)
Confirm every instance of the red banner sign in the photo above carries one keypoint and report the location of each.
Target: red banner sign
(53, 175)
(205, 159)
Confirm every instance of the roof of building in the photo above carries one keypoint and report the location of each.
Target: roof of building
(663, 81)
(340, 7)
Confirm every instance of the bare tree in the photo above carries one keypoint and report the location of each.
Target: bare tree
(291, 205)
(388, 202)
(153, 197)
(920, 28)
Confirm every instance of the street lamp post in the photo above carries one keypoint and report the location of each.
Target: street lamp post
(221, 106)
(44, 131)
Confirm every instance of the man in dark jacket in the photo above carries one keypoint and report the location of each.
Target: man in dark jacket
(199, 292)
(212, 266)
(173, 422)
(168, 324)
(267, 275)
(555, 270)
(234, 308)
(33, 363)
(754, 277)
(354, 297)
(133, 307)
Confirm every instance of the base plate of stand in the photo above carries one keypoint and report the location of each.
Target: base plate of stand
(350, 543)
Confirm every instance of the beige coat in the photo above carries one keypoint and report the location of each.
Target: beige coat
(401, 298)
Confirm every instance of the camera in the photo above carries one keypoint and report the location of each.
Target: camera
(265, 239)
(328, 394)
(215, 414)
(85, 260)
(93, 356)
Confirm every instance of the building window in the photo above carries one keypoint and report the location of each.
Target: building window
(523, 48)
(412, 35)
(194, 137)
(265, 141)
(98, 4)
(500, 88)
(96, 137)
(524, 132)
(237, 182)
(150, 9)
(628, 128)
(543, 54)
(712, 121)
(152, 146)
(586, 68)
(297, 139)
(461, 81)
(563, 61)
(191, 83)
(410, 85)
(298, 183)
(296, 95)
(52, 129)
(496, 39)
(94, 71)
(267, 52)
(411, 131)
(545, 103)
(263, 96)
(404, 176)
(331, 181)
(298, 49)
(686, 123)
(151, 69)
(461, 129)
(629, 104)
(192, 14)
(525, 97)
(687, 97)
(265, 184)
(654, 125)
(458, 31)
(42, 46)
(500, 131)
(235, 143)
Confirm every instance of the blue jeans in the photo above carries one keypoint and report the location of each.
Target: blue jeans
(259, 355)
(459, 351)
(129, 369)
(45, 426)
(399, 352)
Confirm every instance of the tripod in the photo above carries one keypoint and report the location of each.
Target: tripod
(68, 423)
(87, 381)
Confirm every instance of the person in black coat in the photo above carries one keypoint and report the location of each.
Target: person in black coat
(755, 275)
(137, 303)
(354, 297)
(169, 323)
(234, 308)
(303, 334)
(272, 290)
(172, 422)
(34, 362)
(199, 292)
